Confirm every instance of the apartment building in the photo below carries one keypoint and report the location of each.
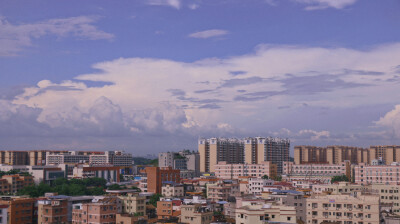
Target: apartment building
(261, 149)
(389, 195)
(103, 211)
(314, 171)
(350, 208)
(20, 210)
(172, 189)
(156, 176)
(388, 153)
(260, 213)
(330, 154)
(130, 219)
(133, 203)
(14, 157)
(196, 214)
(167, 208)
(53, 210)
(3, 214)
(216, 150)
(368, 174)
(337, 188)
(256, 185)
(222, 190)
(224, 170)
(14, 183)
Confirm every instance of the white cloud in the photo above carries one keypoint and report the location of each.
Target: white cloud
(323, 4)
(391, 121)
(237, 96)
(172, 3)
(209, 33)
(15, 37)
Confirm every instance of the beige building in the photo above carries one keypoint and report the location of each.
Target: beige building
(215, 150)
(196, 214)
(313, 171)
(338, 188)
(173, 190)
(389, 195)
(222, 190)
(369, 174)
(258, 213)
(133, 204)
(389, 153)
(351, 208)
(224, 170)
(53, 210)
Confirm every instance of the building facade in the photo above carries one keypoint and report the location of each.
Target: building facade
(53, 210)
(196, 214)
(133, 204)
(368, 174)
(156, 176)
(224, 170)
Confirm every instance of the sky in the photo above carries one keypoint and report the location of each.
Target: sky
(147, 76)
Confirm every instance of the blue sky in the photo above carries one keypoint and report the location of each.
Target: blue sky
(121, 74)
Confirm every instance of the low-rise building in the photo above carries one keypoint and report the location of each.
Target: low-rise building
(349, 208)
(20, 210)
(224, 170)
(10, 184)
(133, 204)
(196, 214)
(258, 213)
(168, 208)
(337, 188)
(221, 190)
(130, 219)
(102, 211)
(368, 174)
(156, 176)
(256, 185)
(53, 210)
(315, 171)
(110, 173)
(389, 195)
(172, 189)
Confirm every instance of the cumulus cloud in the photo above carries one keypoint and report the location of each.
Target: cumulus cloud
(209, 33)
(15, 37)
(182, 100)
(323, 4)
(391, 120)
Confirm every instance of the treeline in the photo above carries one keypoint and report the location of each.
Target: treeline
(144, 161)
(73, 187)
(11, 172)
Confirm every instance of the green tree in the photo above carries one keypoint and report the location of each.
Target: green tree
(278, 178)
(154, 198)
(136, 188)
(339, 178)
(265, 177)
(114, 187)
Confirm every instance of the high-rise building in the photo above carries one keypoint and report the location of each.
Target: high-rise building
(330, 154)
(248, 150)
(216, 150)
(261, 149)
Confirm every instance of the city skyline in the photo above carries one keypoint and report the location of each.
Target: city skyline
(156, 75)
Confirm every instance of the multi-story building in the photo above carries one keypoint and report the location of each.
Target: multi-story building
(53, 210)
(184, 160)
(249, 150)
(224, 170)
(337, 188)
(196, 214)
(389, 153)
(349, 208)
(115, 158)
(20, 210)
(103, 211)
(14, 183)
(314, 171)
(261, 149)
(389, 195)
(130, 219)
(222, 190)
(14, 157)
(156, 176)
(166, 159)
(133, 204)
(3, 214)
(110, 173)
(260, 213)
(215, 150)
(256, 185)
(172, 190)
(368, 174)
(330, 154)
(167, 208)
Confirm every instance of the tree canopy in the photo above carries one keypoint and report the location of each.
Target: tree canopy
(339, 178)
(73, 187)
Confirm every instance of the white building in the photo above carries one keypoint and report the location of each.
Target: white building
(256, 185)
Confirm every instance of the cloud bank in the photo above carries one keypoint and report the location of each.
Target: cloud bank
(308, 94)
